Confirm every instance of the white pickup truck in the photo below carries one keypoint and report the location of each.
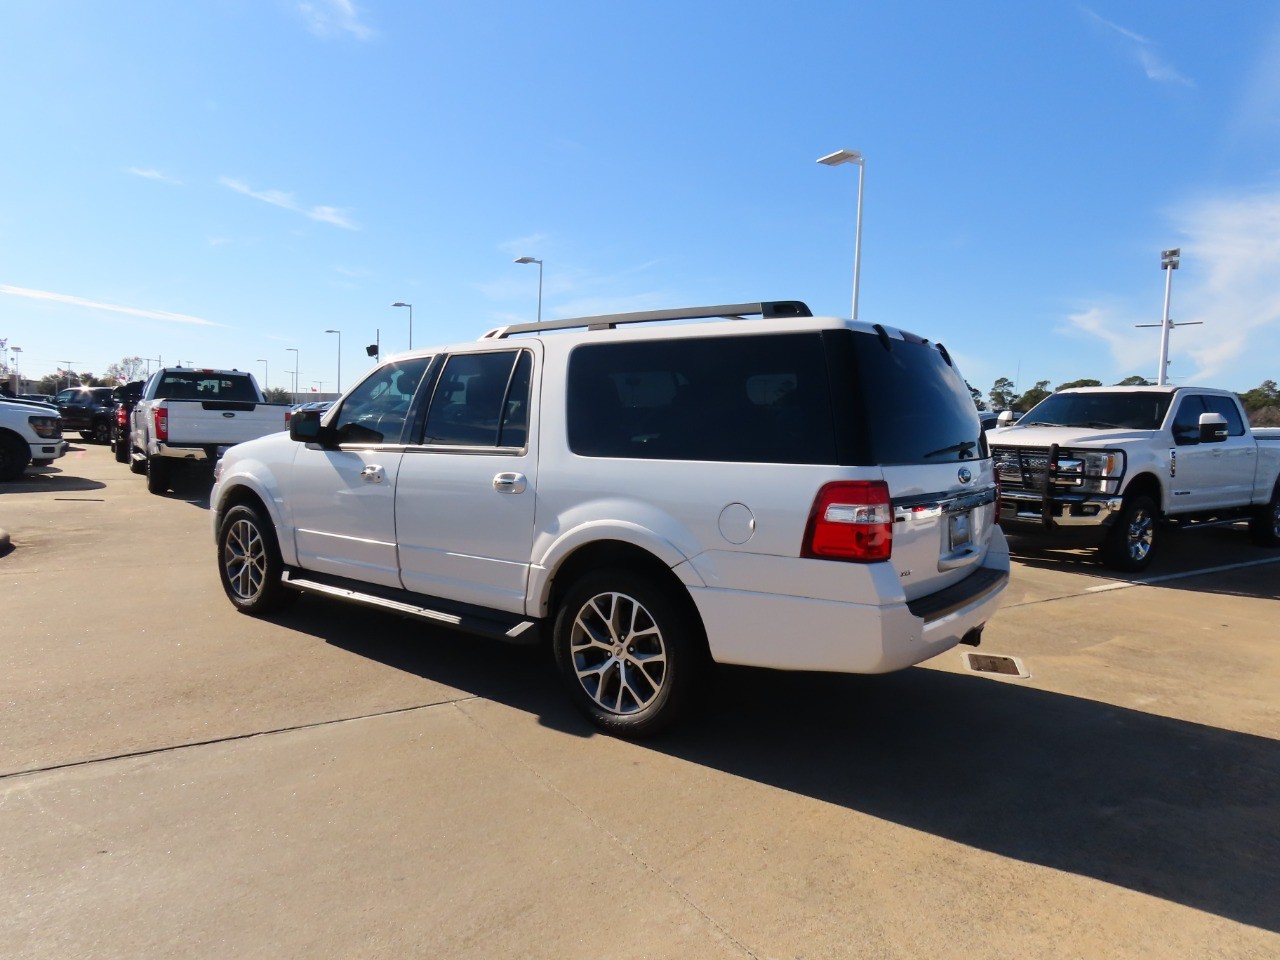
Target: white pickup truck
(1120, 460)
(194, 415)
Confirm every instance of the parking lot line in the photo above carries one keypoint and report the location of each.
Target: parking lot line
(1180, 576)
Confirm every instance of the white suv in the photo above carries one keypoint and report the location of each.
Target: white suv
(791, 492)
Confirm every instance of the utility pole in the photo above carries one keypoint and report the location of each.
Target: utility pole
(1168, 263)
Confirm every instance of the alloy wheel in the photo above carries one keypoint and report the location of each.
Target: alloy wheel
(619, 655)
(244, 558)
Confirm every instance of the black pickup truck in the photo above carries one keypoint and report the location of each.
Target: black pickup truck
(89, 410)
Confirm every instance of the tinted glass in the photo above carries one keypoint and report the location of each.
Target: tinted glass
(481, 400)
(1186, 422)
(375, 411)
(761, 399)
(1229, 411)
(1101, 411)
(194, 385)
(916, 406)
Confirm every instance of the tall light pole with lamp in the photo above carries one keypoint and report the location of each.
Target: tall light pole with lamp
(339, 333)
(297, 365)
(17, 374)
(834, 160)
(266, 374)
(1169, 260)
(539, 263)
(410, 306)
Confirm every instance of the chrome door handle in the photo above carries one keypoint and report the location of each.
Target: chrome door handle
(510, 483)
(373, 474)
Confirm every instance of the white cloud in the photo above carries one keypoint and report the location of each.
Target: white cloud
(111, 307)
(1144, 51)
(286, 201)
(524, 246)
(1228, 281)
(327, 18)
(149, 174)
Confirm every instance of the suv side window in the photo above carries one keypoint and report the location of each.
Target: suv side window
(481, 400)
(375, 411)
(1224, 406)
(741, 399)
(1186, 423)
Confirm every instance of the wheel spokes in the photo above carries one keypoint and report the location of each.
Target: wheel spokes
(618, 652)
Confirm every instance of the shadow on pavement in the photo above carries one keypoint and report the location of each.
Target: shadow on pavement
(1176, 810)
(49, 481)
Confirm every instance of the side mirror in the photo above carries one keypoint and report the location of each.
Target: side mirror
(1213, 428)
(1005, 418)
(305, 427)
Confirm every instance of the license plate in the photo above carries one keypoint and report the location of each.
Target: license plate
(958, 528)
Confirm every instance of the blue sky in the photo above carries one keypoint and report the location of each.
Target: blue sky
(218, 181)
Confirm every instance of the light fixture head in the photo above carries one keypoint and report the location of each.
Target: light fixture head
(399, 304)
(841, 156)
(333, 331)
(527, 260)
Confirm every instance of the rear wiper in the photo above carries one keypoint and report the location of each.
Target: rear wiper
(964, 448)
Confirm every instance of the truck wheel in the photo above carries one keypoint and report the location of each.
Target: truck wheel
(158, 473)
(632, 657)
(15, 454)
(122, 450)
(249, 563)
(102, 432)
(1131, 542)
(1264, 526)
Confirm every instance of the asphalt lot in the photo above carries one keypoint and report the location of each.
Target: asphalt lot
(180, 780)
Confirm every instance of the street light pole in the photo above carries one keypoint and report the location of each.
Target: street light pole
(297, 365)
(410, 306)
(539, 263)
(834, 160)
(339, 333)
(1168, 262)
(266, 376)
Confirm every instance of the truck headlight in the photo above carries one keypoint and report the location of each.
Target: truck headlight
(1093, 471)
(46, 428)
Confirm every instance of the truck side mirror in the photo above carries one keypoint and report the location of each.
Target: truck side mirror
(1005, 418)
(1213, 428)
(305, 427)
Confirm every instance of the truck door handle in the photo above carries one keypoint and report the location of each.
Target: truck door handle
(510, 483)
(373, 474)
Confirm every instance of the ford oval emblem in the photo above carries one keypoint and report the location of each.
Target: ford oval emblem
(228, 414)
(965, 475)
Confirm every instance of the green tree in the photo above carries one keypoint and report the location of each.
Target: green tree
(1134, 381)
(1032, 396)
(1266, 416)
(278, 395)
(976, 394)
(1266, 394)
(1079, 383)
(1002, 395)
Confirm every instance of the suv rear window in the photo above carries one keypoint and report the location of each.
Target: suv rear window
(756, 399)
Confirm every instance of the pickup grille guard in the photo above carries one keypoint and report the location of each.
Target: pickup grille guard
(1036, 470)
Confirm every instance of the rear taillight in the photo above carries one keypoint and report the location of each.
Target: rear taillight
(850, 520)
(162, 423)
(121, 417)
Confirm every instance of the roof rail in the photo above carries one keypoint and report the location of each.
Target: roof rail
(768, 309)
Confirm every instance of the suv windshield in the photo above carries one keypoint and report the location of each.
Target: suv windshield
(1100, 411)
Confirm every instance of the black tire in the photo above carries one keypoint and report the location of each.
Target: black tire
(632, 655)
(1131, 542)
(15, 454)
(158, 474)
(122, 450)
(249, 563)
(102, 432)
(1264, 526)
(86, 435)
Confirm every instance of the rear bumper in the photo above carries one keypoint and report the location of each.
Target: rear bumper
(800, 633)
(1072, 510)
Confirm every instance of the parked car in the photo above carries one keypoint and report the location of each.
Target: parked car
(648, 499)
(29, 434)
(37, 397)
(1117, 462)
(89, 410)
(126, 397)
(190, 415)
